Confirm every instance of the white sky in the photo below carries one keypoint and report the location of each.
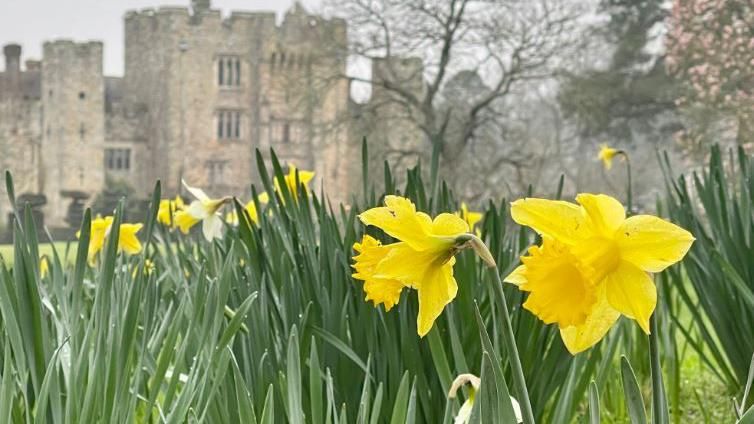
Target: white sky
(31, 22)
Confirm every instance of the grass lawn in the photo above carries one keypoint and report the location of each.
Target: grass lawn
(6, 251)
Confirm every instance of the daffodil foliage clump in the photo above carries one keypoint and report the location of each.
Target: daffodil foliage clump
(282, 307)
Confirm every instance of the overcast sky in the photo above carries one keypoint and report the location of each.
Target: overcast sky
(31, 22)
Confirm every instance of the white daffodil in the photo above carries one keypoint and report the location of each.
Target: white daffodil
(464, 414)
(202, 209)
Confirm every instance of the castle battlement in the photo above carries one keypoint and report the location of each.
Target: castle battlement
(297, 23)
(63, 44)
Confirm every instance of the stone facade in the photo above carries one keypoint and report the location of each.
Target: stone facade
(199, 95)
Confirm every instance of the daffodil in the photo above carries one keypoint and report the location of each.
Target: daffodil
(97, 232)
(167, 210)
(101, 228)
(290, 180)
(251, 208)
(464, 414)
(593, 264)
(202, 209)
(471, 218)
(422, 260)
(44, 266)
(607, 154)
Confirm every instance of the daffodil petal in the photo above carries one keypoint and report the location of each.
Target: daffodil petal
(464, 413)
(578, 338)
(605, 213)
(517, 277)
(560, 220)
(447, 224)
(198, 210)
(405, 264)
(196, 192)
(184, 221)
(305, 176)
(438, 288)
(212, 227)
(399, 219)
(632, 292)
(251, 208)
(127, 240)
(651, 243)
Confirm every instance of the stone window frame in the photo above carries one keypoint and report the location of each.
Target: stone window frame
(216, 172)
(118, 159)
(228, 71)
(284, 131)
(229, 124)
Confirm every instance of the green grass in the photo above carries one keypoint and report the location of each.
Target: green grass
(6, 251)
(267, 325)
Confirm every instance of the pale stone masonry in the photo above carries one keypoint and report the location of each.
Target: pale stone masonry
(199, 95)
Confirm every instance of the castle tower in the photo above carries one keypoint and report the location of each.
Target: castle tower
(19, 126)
(72, 93)
(12, 54)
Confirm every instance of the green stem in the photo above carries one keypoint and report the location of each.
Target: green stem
(510, 345)
(659, 401)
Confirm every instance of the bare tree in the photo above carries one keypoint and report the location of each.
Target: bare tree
(417, 46)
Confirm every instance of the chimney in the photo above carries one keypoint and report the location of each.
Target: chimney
(200, 6)
(12, 58)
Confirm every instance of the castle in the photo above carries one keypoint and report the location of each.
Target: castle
(199, 95)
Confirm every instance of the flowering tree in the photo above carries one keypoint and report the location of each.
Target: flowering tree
(711, 49)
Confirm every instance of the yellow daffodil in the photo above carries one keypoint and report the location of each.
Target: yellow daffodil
(471, 218)
(44, 266)
(251, 208)
(593, 264)
(100, 229)
(97, 233)
(167, 210)
(607, 154)
(202, 209)
(422, 260)
(464, 414)
(290, 180)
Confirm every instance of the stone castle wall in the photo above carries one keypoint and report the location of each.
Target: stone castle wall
(60, 120)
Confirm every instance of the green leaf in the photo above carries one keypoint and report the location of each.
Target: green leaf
(315, 384)
(400, 406)
(594, 404)
(293, 380)
(632, 393)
